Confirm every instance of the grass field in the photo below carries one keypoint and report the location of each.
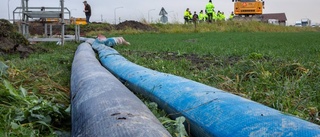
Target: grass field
(280, 69)
(292, 46)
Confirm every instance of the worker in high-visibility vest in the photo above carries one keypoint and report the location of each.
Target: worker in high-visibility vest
(190, 17)
(219, 16)
(223, 17)
(231, 16)
(186, 16)
(210, 9)
(214, 16)
(201, 16)
(205, 16)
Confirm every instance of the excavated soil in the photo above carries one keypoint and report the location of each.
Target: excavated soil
(12, 42)
(134, 25)
(37, 28)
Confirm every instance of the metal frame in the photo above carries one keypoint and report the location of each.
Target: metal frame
(36, 12)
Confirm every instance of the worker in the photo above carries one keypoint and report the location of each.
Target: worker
(223, 17)
(195, 17)
(219, 16)
(201, 16)
(186, 16)
(87, 11)
(214, 16)
(43, 20)
(190, 17)
(205, 16)
(210, 9)
(231, 16)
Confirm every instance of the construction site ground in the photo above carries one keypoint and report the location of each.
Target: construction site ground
(12, 42)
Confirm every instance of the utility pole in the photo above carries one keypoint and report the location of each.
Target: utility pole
(9, 10)
(149, 14)
(115, 15)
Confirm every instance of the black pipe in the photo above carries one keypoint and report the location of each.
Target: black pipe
(101, 106)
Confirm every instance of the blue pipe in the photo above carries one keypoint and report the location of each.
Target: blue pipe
(101, 106)
(209, 111)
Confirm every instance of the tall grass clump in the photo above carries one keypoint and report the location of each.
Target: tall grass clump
(229, 26)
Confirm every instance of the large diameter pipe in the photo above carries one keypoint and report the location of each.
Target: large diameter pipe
(102, 106)
(209, 111)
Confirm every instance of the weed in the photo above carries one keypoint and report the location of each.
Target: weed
(34, 93)
(175, 127)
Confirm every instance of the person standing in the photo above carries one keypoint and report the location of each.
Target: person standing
(231, 16)
(210, 9)
(186, 16)
(219, 16)
(190, 17)
(201, 16)
(195, 17)
(205, 16)
(223, 17)
(87, 11)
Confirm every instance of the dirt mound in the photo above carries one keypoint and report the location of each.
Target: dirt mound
(13, 42)
(134, 25)
(36, 28)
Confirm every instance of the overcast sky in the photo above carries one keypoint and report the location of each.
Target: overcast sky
(149, 9)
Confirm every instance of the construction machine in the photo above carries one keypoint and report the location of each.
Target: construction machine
(248, 9)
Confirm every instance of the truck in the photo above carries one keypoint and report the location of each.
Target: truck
(305, 22)
(248, 9)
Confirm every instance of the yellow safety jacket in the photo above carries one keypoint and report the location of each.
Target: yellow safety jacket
(209, 7)
(215, 16)
(201, 16)
(231, 16)
(186, 14)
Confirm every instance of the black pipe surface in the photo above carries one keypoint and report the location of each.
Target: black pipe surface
(101, 106)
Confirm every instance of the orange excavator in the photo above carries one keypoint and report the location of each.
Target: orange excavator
(248, 9)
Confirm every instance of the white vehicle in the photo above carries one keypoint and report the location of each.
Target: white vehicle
(298, 24)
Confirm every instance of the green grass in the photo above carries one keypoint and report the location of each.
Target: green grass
(274, 65)
(282, 45)
(34, 92)
(229, 26)
(280, 70)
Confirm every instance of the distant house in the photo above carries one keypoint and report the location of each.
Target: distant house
(280, 17)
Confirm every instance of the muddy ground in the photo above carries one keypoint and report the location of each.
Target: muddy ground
(37, 28)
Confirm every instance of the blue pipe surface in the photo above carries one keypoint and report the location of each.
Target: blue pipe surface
(209, 111)
(101, 106)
